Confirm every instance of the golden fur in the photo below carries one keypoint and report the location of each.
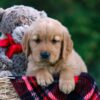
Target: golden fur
(50, 35)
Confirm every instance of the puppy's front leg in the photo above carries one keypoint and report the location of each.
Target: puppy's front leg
(43, 77)
(66, 81)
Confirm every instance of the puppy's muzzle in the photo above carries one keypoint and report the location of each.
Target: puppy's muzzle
(44, 55)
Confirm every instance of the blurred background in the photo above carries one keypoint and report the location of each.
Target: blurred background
(82, 17)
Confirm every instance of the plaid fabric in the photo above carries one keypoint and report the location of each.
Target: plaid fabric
(27, 89)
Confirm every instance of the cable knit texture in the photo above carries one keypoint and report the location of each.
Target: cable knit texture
(13, 22)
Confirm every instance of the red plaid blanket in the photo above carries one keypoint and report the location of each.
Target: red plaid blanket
(27, 89)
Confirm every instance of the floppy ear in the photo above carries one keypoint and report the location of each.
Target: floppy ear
(67, 44)
(25, 44)
(1, 13)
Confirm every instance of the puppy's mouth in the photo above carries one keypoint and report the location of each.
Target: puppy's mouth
(44, 61)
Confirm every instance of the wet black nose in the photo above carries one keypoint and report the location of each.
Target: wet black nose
(45, 55)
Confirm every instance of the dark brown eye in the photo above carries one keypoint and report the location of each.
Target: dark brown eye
(37, 41)
(54, 41)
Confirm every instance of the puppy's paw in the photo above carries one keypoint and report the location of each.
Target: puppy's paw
(66, 86)
(44, 79)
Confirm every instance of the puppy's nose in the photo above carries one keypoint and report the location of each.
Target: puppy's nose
(45, 55)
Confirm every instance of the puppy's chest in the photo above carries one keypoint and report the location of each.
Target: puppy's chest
(53, 70)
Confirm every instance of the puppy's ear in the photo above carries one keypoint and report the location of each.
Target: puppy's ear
(67, 44)
(25, 44)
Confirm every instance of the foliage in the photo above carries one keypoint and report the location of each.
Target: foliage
(82, 18)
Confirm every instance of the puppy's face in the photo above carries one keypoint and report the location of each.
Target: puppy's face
(45, 47)
(45, 41)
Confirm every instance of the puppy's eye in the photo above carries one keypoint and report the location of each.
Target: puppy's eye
(37, 40)
(55, 41)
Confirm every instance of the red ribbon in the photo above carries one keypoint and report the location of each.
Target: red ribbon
(13, 47)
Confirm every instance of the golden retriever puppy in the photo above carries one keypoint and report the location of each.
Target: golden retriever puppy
(49, 49)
